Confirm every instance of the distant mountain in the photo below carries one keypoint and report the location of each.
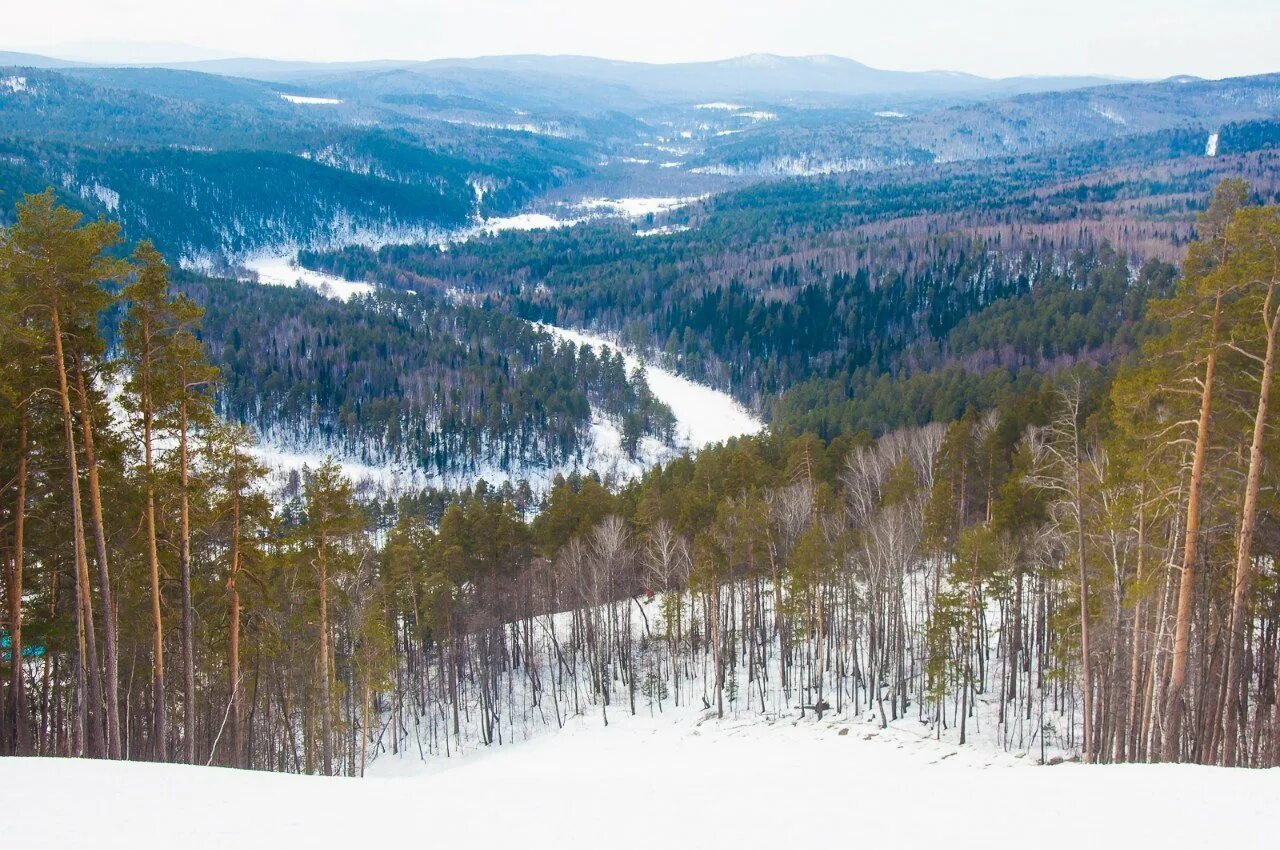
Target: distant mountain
(619, 84)
(130, 52)
(991, 128)
(32, 60)
(768, 74)
(220, 158)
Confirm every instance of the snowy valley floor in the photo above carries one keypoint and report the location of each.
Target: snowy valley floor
(654, 783)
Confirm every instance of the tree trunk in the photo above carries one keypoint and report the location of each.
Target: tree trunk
(112, 686)
(184, 562)
(1244, 552)
(326, 739)
(1082, 568)
(17, 728)
(233, 652)
(160, 742)
(1186, 587)
(84, 601)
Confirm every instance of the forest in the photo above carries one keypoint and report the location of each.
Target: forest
(398, 378)
(149, 147)
(818, 301)
(1087, 562)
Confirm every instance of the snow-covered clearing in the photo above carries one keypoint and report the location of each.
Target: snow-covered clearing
(315, 101)
(703, 415)
(635, 207)
(390, 478)
(1109, 114)
(675, 782)
(664, 230)
(283, 270)
(1211, 146)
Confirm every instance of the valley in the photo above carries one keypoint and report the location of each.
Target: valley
(550, 450)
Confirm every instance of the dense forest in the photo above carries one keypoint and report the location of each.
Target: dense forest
(149, 147)
(397, 378)
(787, 293)
(1089, 562)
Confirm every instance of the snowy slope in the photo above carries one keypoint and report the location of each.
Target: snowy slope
(703, 415)
(655, 783)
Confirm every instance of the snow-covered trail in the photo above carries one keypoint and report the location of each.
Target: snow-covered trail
(703, 415)
(644, 783)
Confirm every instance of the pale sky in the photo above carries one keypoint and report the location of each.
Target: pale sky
(1136, 38)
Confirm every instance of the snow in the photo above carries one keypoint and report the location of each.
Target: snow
(552, 129)
(109, 198)
(1109, 114)
(889, 113)
(798, 165)
(642, 783)
(635, 207)
(278, 269)
(1211, 146)
(391, 478)
(664, 230)
(721, 105)
(14, 84)
(703, 415)
(522, 221)
(320, 101)
(757, 115)
(579, 211)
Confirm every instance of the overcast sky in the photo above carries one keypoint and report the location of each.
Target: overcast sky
(1138, 38)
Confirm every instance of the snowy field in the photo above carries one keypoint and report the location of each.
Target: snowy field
(655, 783)
(282, 269)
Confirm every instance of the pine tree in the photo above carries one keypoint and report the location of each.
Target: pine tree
(149, 394)
(236, 477)
(333, 523)
(61, 263)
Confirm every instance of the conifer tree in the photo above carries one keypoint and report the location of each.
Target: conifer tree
(61, 263)
(333, 522)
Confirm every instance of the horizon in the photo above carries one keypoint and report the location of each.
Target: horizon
(1145, 40)
(108, 54)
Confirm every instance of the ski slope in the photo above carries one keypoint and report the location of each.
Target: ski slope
(671, 782)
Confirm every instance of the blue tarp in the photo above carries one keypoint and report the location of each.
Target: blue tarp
(6, 645)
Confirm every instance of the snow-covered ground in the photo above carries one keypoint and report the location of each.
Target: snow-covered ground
(634, 207)
(282, 269)
(314, 101)
(703, 415)
(678, 782)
